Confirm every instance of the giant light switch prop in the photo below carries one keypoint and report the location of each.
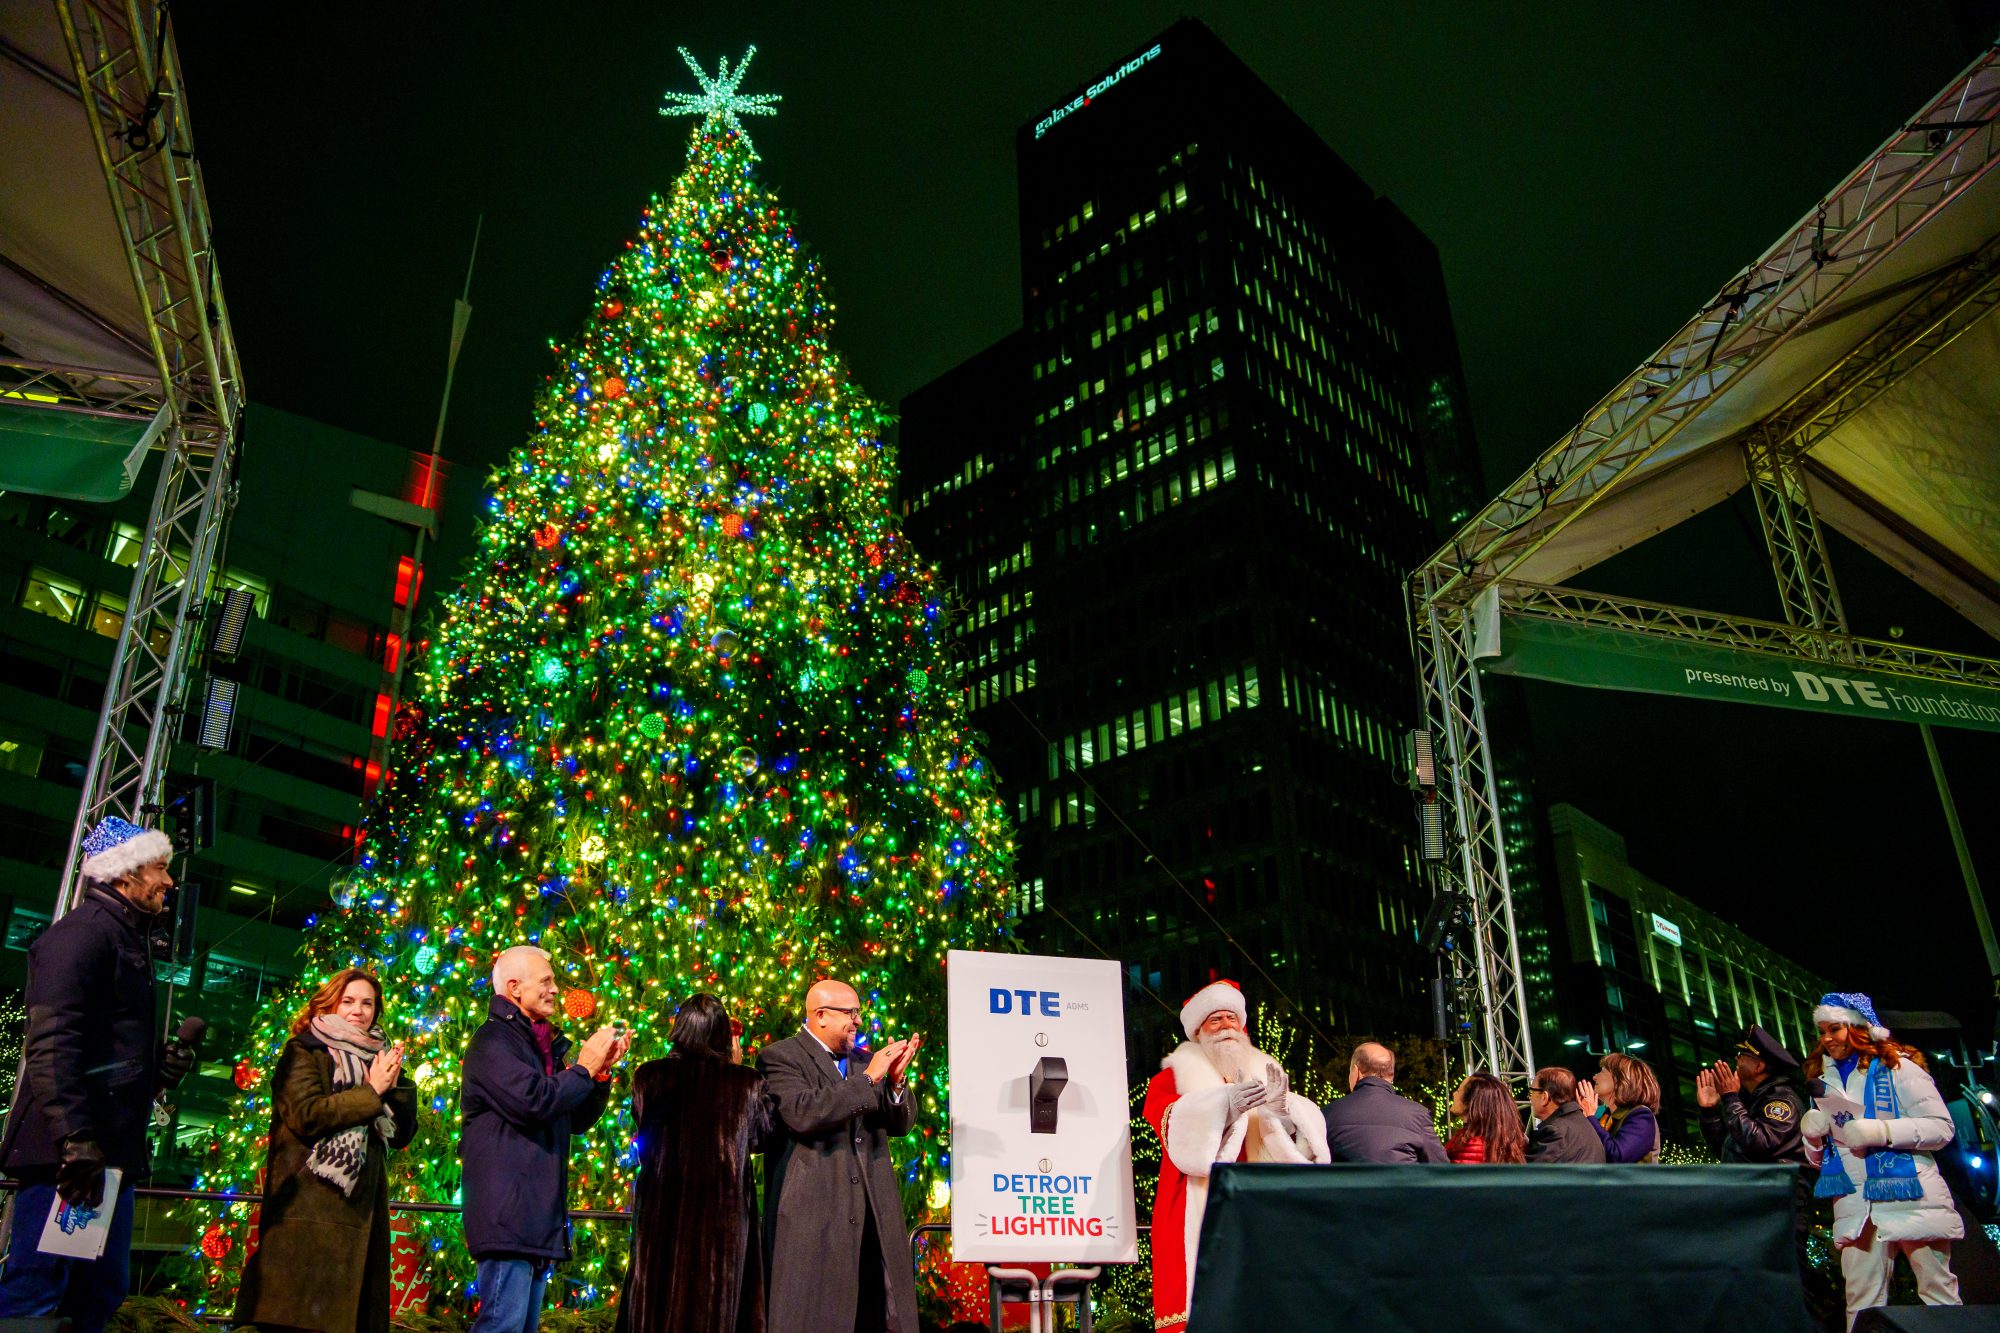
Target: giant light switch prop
(1041, 1139)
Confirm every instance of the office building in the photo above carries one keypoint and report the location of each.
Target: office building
(1177, 507)
(291, 784)
(1641, 969)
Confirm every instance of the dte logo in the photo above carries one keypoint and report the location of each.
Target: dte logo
(1001, 1001)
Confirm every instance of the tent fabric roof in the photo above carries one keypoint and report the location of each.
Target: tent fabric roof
(66, 291)
(1913, 476)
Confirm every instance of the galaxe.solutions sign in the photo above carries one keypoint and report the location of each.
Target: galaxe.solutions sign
(1095, 90)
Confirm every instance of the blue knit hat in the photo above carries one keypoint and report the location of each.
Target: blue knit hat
(1852, 1008)
(114, 849)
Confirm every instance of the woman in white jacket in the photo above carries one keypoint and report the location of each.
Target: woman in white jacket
(1888, 1196)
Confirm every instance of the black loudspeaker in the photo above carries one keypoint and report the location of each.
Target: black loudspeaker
(1498, 1248)
(1927, 1319)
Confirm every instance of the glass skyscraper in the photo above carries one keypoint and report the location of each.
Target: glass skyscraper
(1177, 508)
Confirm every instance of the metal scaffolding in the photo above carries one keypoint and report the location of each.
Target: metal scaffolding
(1825, 270)
(128, 77)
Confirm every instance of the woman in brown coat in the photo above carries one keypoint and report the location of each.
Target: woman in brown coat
(697, 1259)
(339, 1106)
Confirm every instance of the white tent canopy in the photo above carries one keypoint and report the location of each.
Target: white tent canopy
(1910, 469)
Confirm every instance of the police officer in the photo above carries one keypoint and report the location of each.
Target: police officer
(1751, 1114)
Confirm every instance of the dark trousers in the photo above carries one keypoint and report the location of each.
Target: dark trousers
(86, 1290)
(871, 1305)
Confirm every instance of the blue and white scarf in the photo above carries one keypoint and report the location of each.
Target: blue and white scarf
(1892, 1175)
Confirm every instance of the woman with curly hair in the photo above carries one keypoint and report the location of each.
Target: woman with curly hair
(1492, 1131)
(1873, 1150)
(1630, 1092)
(339, 1107)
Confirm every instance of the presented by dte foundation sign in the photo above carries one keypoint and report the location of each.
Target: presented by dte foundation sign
(1041, 1140)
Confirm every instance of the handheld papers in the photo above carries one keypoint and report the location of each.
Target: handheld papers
(80, 1233)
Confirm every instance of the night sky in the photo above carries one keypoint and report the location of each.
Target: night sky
(1591, 175)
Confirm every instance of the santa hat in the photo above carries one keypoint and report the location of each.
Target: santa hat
(115, 849)
(1224, 994)
(1852, 1008)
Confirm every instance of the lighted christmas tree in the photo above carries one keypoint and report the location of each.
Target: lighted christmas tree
(687, 725)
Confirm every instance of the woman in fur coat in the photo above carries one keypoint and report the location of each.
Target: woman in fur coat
(339, 1107)
(697, 1261)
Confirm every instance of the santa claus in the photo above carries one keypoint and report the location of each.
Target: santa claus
(1217, 1098)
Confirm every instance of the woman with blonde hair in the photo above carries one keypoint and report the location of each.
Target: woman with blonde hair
(339, 1106)
(1628, 1089)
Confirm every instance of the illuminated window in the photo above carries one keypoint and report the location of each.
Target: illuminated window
(20, 757)
(53, 595)
(107, 614)
(123, 548)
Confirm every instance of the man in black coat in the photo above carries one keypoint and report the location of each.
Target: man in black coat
(1564, 1133)
(1373, 1122)
(520, 1105)
(840, 1253)
(92, 1065)
(1751, 1113)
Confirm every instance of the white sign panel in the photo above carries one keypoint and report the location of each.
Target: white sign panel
(1041, 1141)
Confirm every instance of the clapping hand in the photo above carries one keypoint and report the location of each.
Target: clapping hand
(885, 1061)
(1725, 1078)
(599, 1049)
(384, 1068)
(1586, 1096)
(1244, 1096)
(1274, 1079)
(899, 1071)
(1705, 1093)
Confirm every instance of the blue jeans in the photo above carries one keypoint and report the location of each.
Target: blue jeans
(510, 1294)
(87, 1290)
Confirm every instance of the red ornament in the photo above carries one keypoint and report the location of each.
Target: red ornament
(611, 309)
(732, 525)
(547, 535)
(579, 1004)
(247, 1075)
(614, 387)
(215, 1243)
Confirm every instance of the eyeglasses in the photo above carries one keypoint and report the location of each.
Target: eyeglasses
(853, 1013)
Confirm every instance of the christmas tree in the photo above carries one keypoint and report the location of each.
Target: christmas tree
(687, 724)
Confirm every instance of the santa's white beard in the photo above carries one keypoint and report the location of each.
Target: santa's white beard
(1226, 1050)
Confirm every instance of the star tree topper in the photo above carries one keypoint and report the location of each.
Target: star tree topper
(718, 98)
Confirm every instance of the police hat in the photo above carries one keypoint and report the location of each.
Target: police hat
(1767, 1048)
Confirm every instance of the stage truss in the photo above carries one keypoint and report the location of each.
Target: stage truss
(126, 76)
(1913, 179)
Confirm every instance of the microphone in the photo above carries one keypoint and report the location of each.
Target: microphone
(192, 1029)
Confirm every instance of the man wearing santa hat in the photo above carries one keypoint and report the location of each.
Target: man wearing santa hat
(1217, 1098)
(1878, 1121)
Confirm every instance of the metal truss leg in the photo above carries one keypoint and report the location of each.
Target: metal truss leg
(1456, 715)
(1792, 535)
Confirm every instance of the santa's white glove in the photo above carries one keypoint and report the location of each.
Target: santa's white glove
(1862, 1136)
(1243, 1096)
(1814, 1126)
(1274, 1078)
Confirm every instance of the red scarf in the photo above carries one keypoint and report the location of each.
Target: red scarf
(545, 1042)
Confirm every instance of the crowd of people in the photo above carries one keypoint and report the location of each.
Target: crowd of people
(830, 1254)
(1868, 1146)
(1860, 1118)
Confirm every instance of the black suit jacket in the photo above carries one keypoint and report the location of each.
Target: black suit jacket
(1566, 1136)
(1374, 1123)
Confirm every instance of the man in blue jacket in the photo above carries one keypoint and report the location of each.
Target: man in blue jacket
(92, 1066)
(520, 1104)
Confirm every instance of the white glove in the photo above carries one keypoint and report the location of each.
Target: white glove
(1862, 1136)
(1814, 1126)
(1243, 1096)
